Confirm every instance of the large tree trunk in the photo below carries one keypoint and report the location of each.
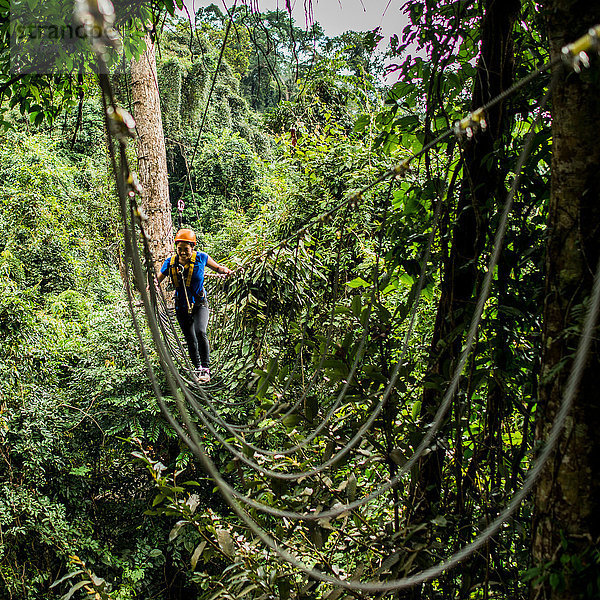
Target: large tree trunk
(479, 185)
(567, 498)
(152, 157)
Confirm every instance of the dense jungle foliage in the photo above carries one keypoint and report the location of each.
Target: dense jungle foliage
(99, 498)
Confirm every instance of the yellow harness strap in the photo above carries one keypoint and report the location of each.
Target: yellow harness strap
(189, 267)
(173, 271)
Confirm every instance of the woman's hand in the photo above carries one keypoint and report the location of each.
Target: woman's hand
(221, 270)
(224, 271)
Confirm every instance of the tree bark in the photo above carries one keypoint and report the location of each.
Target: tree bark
(479, 185)
(567, 497)
(151, 152)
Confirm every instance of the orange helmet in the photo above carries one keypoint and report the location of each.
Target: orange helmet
(185, 235)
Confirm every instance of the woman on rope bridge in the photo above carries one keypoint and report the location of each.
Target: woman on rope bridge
(186, 270)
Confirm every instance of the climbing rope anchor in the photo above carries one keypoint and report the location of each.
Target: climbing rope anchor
(180, 207)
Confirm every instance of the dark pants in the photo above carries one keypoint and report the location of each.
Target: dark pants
(194, 331)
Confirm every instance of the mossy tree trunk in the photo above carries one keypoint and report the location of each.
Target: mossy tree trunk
(566, 525)
(152, 157)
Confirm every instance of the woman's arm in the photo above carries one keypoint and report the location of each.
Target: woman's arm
(215, 266)
(159, 279)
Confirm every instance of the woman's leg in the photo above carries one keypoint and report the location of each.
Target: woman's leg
(201, 315)
(186, 322)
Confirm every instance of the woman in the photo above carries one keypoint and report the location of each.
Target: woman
(186, 270)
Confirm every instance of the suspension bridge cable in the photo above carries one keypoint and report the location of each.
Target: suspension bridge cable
(412, 320)
(467, 550)
(198, 409)
(333, 459)
(362, 431)
(454, 383)
(191, 435)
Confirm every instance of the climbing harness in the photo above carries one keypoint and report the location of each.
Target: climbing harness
(178, 273)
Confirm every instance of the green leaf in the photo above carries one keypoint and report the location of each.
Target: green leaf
(364, 315)
(358, 282)
(356, 306)
(416, 410)
(342, 310)
(291, 420)
(397, 91)
(392, 141)
(197, 554)
(335, 364)
(362, 123)
(408, 123)
(407, 280)
(81, 471)
(67, 576)
(76, 587)
(170, 6)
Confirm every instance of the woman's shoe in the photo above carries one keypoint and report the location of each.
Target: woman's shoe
(203, 375)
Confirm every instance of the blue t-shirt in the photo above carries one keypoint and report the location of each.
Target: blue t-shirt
(195, 289)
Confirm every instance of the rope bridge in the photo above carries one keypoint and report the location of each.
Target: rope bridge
(310, 360)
